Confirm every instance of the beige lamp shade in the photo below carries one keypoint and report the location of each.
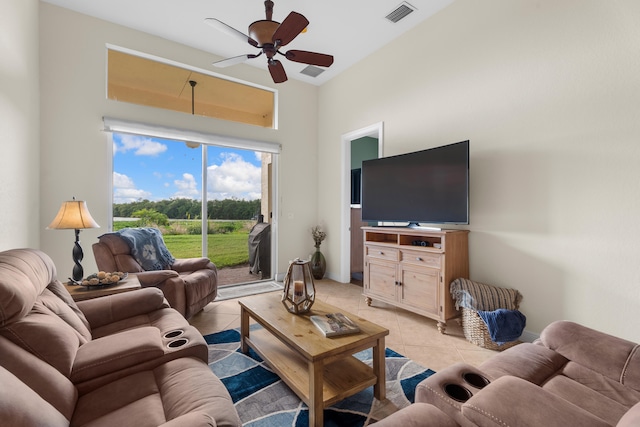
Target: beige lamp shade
(73, 214)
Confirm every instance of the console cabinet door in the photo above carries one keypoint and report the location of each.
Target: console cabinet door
(420, 288)
(381, 278)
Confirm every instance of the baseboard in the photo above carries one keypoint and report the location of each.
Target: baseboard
(528, 336)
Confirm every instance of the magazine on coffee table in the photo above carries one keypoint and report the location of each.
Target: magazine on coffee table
(334, 324)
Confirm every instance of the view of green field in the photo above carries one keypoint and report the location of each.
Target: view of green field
(227, 241)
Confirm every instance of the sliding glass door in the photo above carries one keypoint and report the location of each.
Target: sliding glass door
(208, 200)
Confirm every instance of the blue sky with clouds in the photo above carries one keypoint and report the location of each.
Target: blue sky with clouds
(157, 169)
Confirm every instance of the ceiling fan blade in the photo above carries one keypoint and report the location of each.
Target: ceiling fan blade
(289, 29)
(277, 71)
(312, 58)
(221, 26)
(234, 60)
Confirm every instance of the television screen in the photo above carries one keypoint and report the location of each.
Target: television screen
(429, 186)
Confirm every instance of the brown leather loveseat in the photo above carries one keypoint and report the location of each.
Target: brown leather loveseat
(122, 360)
(571, 376)
(189, 284)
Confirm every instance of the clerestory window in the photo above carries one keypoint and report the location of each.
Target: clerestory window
(145, 80)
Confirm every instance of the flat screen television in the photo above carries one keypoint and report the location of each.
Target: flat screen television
(424, 187)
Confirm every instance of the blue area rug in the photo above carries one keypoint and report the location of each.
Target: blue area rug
(263, 400)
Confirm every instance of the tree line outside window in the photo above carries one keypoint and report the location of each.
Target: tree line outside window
(227, 209)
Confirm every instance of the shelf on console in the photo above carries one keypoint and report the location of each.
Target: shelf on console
(416, 238)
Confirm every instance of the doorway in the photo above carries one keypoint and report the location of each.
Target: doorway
(355, 148)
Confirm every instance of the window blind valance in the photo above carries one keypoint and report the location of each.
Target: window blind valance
(176, 134)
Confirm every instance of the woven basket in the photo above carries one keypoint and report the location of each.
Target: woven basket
(476, 332)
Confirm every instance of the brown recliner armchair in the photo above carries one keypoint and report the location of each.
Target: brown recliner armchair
(188, 286)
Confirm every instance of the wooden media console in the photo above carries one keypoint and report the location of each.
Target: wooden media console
(412, 268)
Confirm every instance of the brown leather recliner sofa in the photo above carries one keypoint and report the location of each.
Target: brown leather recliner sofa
(121, 360)
(189, 285)
(571, 376)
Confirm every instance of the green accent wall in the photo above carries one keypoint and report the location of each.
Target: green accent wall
(364, 148)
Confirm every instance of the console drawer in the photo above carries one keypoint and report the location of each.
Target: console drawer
(382, 252)
(421, 258)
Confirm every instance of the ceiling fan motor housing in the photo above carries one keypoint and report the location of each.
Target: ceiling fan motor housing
(262, 31)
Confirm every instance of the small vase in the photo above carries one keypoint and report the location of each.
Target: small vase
(318, 264)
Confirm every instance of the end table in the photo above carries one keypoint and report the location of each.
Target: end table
(80, 293)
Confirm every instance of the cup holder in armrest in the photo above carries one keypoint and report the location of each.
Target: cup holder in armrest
(475, 380)
(457, 392)
(174, 334)
(177, 343)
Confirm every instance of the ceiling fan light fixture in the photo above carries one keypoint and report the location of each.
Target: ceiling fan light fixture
(262, 31)
(400, 12)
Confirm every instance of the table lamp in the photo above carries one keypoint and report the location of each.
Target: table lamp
(74, 214)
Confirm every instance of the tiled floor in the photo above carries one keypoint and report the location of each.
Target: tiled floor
(414, 336)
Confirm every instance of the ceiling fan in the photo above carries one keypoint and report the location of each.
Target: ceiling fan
(269, 36)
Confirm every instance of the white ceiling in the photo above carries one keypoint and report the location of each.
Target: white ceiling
(349, 30)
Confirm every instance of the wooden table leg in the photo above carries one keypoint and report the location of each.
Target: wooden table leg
(244, 330)
(316, 398)
(380, 387)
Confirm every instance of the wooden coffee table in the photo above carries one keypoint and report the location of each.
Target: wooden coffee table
(321, 371)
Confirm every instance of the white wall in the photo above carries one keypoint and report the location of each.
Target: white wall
(549, 95)
(19, 124)
(75, 150)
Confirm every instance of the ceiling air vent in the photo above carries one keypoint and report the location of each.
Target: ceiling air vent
(312, 71)
(400, 12)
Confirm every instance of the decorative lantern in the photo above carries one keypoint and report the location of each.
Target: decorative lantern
(299, 291)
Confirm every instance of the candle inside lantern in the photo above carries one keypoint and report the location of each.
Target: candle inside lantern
(298, 290)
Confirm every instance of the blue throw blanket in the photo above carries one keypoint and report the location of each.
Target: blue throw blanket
(504, 325)
(147, 247)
